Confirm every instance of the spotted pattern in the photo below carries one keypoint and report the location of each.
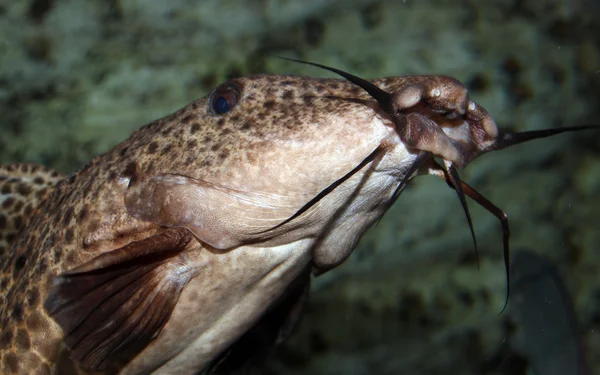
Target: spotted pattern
(50, 224)
(22, 189)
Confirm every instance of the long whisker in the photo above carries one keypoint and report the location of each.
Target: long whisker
(383, 97)
(494, 210)
(456, 183)
(327, 190)
(422, 157)
(418, 163)
(507, 139)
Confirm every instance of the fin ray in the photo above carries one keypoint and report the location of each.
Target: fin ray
(111, 307)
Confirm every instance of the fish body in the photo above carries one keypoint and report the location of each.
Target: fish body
(180, 218)
(164, 255)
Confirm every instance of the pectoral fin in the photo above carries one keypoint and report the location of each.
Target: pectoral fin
(111, 307)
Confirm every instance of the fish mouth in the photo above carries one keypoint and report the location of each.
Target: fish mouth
(442, 122)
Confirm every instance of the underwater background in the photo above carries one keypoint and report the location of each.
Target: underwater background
(78, 76)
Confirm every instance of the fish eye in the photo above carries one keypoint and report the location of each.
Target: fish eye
(224, 98)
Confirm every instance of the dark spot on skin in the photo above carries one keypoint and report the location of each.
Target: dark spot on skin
(314, 30)
(40, 193)
(223, 154)
(194, 128)
(6, 338)
(11, 363)
(28, 210)
(33, 297)
(220, 122)
(6, 189)
(235, 118)
(17, 312)
(269, 104)
(38, 180)
(69, 235)
(67, 216)
(94, 225)
(23, 340)
(167, 149)
(8, 202)
(83, 213)
(225, 131)
(2, 221)
(42, 266)
(167, 130)
(130, 171)
(187, 119)
(247, 125)
(215, 147)
(355, 91)
(191, 144)
(334, 86)
(123, 152)
(17, 222)
(34, 321)
(152, 147)
(287, 82)
(10, 237)
(288, 94)
(50, 240)
(71, 257)
(20, 263)
(57, 253)
(308, 99)
(18, 206)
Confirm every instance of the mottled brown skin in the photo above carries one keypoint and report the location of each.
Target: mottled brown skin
(22, 188)
(286, 140)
